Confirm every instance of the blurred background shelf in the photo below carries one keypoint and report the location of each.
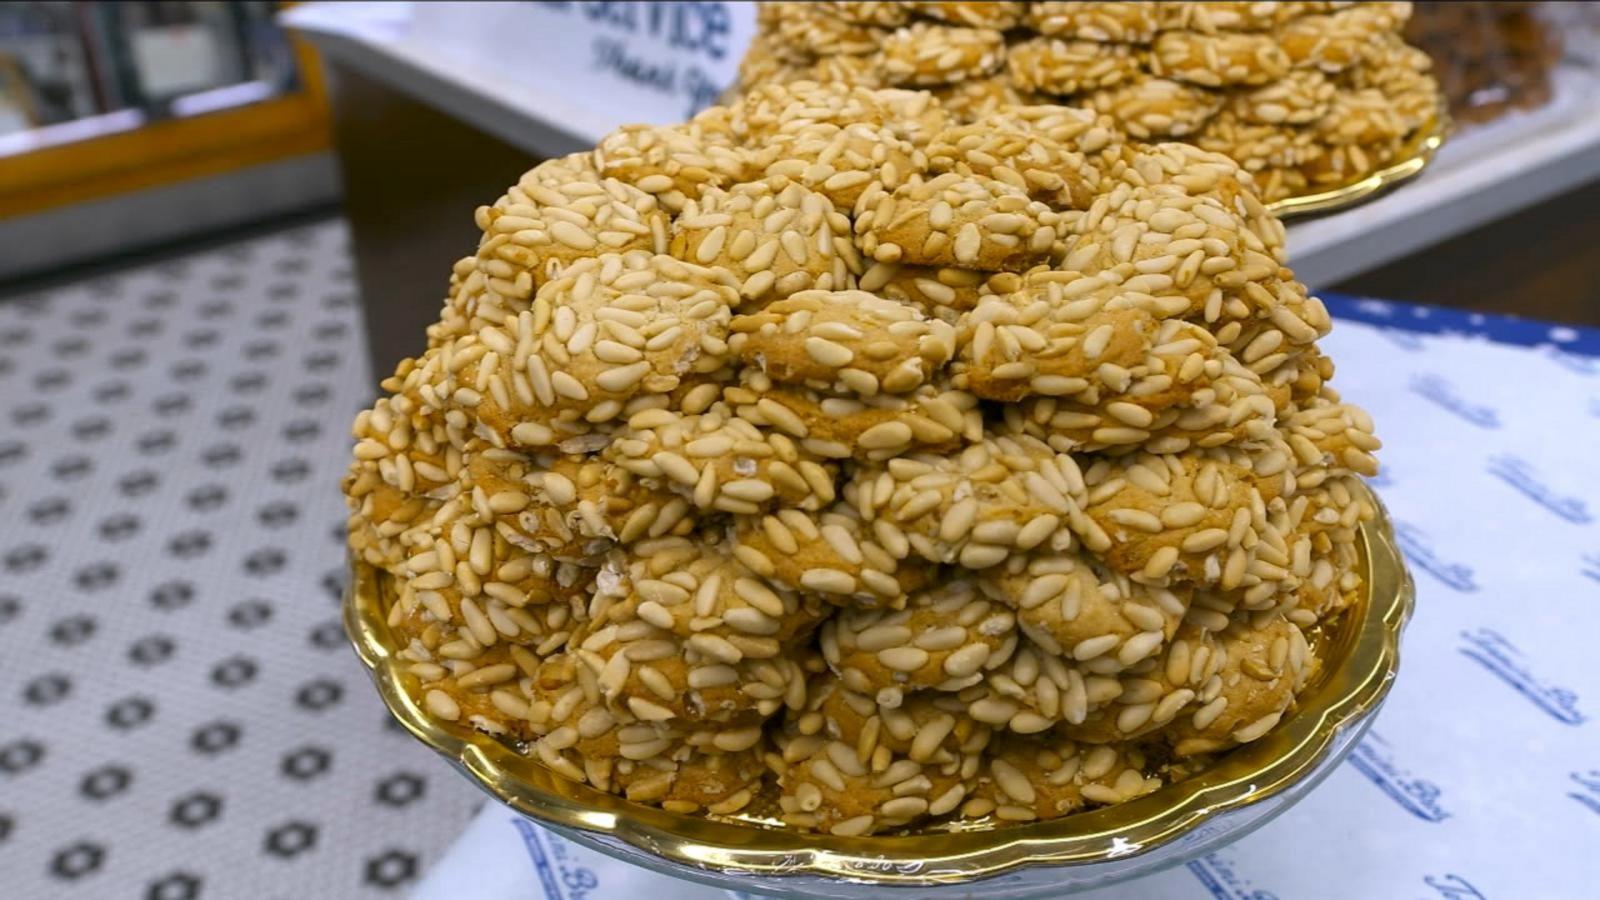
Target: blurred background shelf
(127, 125)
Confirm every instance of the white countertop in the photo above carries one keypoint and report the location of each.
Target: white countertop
(1485, 173)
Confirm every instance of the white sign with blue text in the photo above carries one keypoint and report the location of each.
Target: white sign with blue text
(1480, 779)
(655, 63)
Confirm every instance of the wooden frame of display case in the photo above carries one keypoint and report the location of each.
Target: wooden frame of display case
(173, 150)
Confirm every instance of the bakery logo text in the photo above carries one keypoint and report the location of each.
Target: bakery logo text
(1590, 783)
(1373, 758)
(1419, 550)
(560, 874)
(1575, 362)
(1591, 566)
(646, 44)
(1491, 650)
(1518, 473)
(1443, 394)
(1224, 883)
(1453, 887)
(1405, 340)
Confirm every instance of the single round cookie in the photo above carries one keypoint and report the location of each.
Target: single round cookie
(775, 237)
(1365, 117)
(540, 227)
(1070, 606)
(768, 110)
(1218, 60)
(973, 98)
(944, 638)
(673, 163)
(1054, 66)
(819, 30)
(610, 328)
(1194, 517)
(834, 426)
(924, 53)
(942, 293)
(1298, 98)
(841, 162)
(694, 768)
(713, 462)
(1337, 40)
(1229, 15)
(1047, 171)
(1081, 130)
(1114, 23)
(867, 12)
(833, 555)
(768, 60)
(967, 221)
(1257, 147)
(973, 509)
(1149, 108)
(996, 14)
(1061, 334)
(1151, 694)
(824, 786)
(857, 71)
(1266, 663)
(843, 341)
(1232, 408)
(1030, 779)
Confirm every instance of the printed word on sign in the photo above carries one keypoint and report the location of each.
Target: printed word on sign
(656, 63)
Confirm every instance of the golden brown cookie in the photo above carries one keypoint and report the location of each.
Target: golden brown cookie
(768, 110)
(1119, 23)
(1043, 168)
(1266, 663)
(973, 509)
(1212, 16)
(833, 555)
(942, 293)
(869, 12)
(1055, 66)
(924, 53)
(672, 163)
(836, 426)
(610, 328)
(967, 221)
(973, 98)
(819, 30)
(996, 14)
(1149, 108)
(1298, 98)
(944, 638)
(844, 341)
(1218, 60)
(775, 237)
(713, 462)
(841, 162)
(1337, 40)
(1071, 606)
(1033, 779)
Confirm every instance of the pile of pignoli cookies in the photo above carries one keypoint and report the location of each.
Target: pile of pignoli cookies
(827, 459)
(1309, 96)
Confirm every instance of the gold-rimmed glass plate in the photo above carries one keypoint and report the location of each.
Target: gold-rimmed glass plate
(1244, 788)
